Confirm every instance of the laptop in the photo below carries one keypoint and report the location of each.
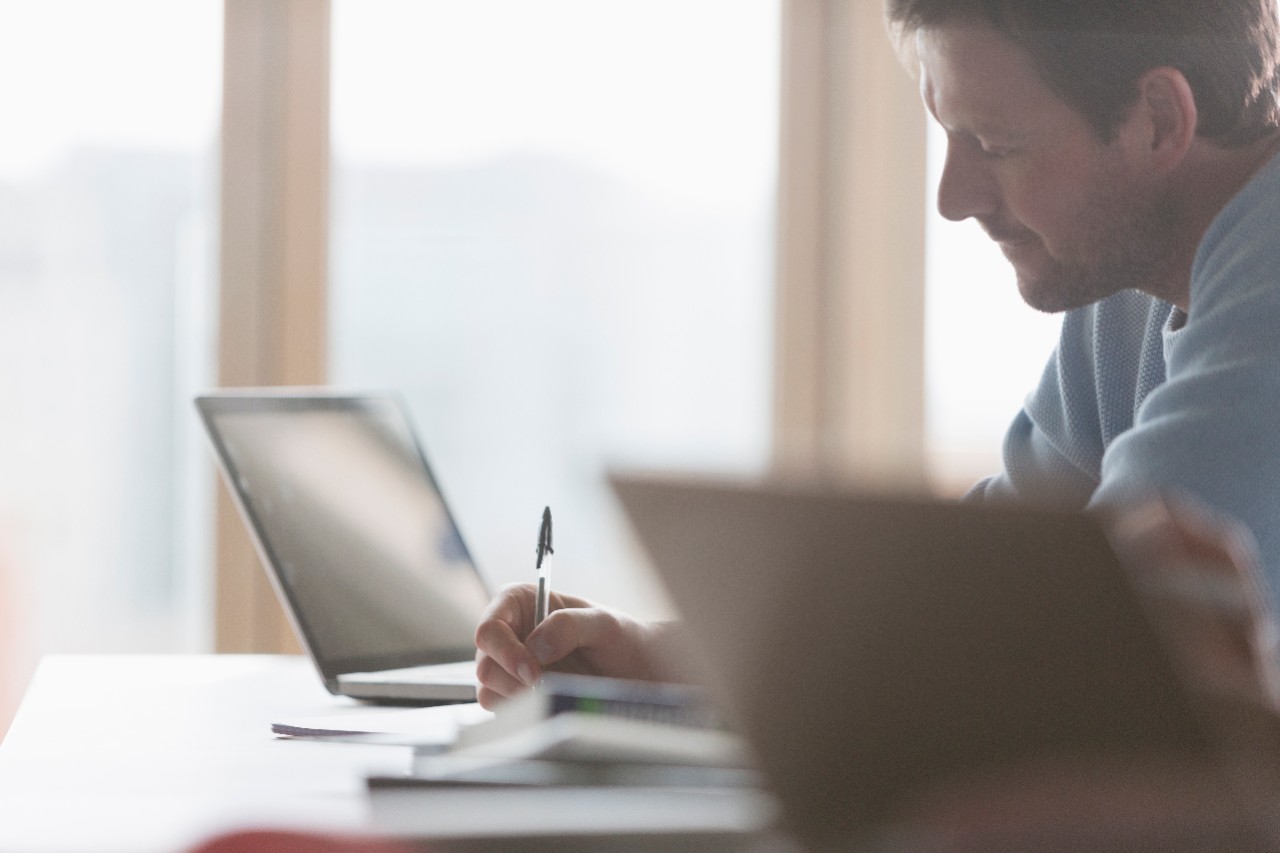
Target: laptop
(870, 647)
(356, 538)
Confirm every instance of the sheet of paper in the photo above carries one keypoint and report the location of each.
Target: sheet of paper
(435, 725)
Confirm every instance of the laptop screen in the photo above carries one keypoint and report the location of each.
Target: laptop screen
(349, 519)
(873, 646)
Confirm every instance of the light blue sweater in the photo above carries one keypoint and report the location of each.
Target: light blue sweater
(1139, 397)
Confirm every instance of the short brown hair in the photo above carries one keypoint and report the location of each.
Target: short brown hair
(1092, 53)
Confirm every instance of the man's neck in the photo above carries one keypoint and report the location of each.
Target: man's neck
(1205, 183)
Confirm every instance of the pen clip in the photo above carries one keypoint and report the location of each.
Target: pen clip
(544, 537)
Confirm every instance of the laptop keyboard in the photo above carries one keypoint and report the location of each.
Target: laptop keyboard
(461, 671)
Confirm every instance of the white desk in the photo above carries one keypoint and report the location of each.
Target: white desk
(155, 753)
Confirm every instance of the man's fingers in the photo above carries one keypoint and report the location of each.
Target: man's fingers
(489, 699)
(1190, 557)
(496, 683)
(496, 641)
(513, 605)
(1179, 527)
(1200, 572)
(501, 655)
(1151, 536)
(566, 631)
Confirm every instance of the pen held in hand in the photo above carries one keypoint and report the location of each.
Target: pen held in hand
(544, 568)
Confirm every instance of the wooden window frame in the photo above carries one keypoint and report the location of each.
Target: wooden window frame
(849, 380)
(274, 257)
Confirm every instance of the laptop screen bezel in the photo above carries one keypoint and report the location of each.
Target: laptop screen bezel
(280, 401)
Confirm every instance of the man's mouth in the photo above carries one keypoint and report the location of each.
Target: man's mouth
(1008, 236)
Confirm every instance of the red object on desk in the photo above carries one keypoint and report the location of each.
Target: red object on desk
(294, 842)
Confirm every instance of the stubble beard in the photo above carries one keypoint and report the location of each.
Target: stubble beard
(1121, 246)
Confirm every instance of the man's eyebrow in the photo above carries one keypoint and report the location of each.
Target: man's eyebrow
(979, 128)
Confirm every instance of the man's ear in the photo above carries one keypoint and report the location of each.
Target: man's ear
(1166, 113)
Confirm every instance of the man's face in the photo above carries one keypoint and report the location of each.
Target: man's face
(1077, 218)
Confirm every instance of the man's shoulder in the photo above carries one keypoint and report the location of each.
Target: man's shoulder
(1247, 225)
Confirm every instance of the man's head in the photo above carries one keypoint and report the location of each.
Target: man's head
(1071, 125)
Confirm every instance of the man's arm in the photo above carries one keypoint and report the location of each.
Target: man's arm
(1212, 429)
(1109, 356)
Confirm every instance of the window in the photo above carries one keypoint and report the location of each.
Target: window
(985, 348)
(107, 179)
(553, 232)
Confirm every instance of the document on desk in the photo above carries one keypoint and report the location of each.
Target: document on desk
(433, 726)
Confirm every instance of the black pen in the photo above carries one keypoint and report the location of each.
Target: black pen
(544, 568)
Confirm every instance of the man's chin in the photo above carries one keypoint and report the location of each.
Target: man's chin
(1038, 279)
(1048, 296)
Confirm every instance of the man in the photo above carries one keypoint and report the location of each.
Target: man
(1122, 154)
(1119, 153)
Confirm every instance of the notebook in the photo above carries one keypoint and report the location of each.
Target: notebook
(870, 647)
(356, 538)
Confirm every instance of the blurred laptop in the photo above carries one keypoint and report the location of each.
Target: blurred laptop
(356, 537)
(870, 647)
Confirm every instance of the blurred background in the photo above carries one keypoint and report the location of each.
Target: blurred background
(566, 232)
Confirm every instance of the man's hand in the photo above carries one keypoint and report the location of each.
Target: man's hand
(1200, 574)
(577, 636)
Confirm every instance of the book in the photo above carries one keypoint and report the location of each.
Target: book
(581, 718)
(561, 693)
(452, 771)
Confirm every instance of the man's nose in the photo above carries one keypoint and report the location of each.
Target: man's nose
(967, 187)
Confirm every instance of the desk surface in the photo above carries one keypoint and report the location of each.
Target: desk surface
(155, 753)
